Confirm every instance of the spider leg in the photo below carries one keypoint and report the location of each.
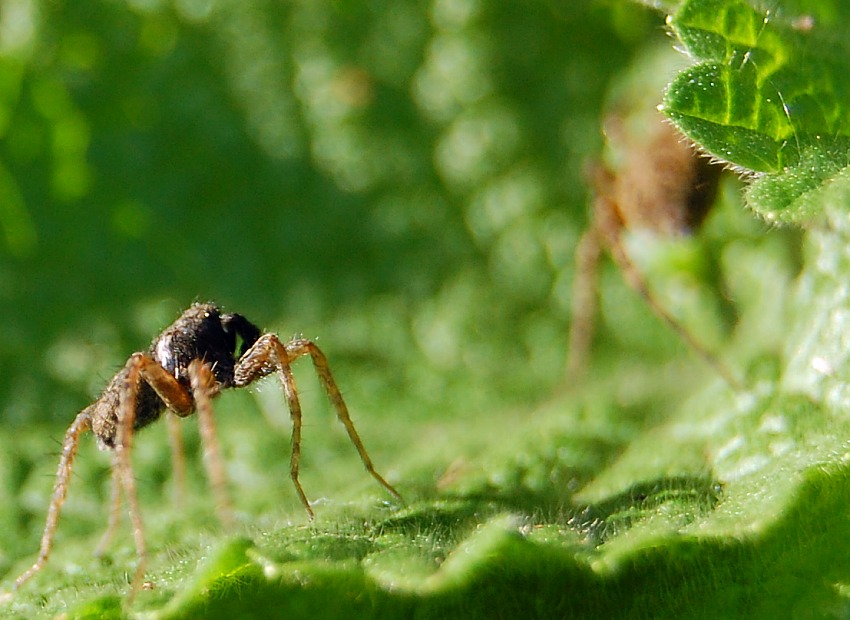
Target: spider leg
(120, 399)
(263, 358)
(610, 228)
(204, 387)
(269, 354)
(584, 304)
(141, 367)
(114, 512)
(299, 347)
(634, 278)
(123, 464)
(178, 459)
(179, 403)
(176, 397)
(291, 393)
(81, 424)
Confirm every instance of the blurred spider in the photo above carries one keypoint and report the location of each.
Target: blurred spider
(186, 366)
(662, 185)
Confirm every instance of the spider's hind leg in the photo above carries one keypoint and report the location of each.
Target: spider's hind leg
(80, 425)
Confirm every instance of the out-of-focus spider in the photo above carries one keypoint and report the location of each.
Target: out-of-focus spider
(186, 366)
(662, 185)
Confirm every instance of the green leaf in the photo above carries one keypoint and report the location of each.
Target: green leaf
(651, 490)
(768, 94)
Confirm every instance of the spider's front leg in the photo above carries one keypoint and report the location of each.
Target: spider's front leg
(142, 368)
(269, 354)
(204, 389)
(119, 401)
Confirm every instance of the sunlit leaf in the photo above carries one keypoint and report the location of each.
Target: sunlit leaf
(768, 94)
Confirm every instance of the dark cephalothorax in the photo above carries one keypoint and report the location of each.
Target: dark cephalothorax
(201, 333)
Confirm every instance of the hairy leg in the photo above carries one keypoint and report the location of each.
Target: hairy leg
(204, 387)
(268, 355)
(584, 306)
(178, 459)
(123, 463)
(114, 511)
(298, 347)
(81, 424)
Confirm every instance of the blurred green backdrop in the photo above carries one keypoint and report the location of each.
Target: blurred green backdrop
(400, 179)
(404, 182)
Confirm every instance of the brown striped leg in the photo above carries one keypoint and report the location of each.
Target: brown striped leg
(204, 387)
(81, 424)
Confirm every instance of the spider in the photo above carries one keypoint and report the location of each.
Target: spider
(663, 185)
(187, 366)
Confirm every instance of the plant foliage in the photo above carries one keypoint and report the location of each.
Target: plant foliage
(334, 164)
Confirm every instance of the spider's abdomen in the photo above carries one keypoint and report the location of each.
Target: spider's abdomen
(104, 411)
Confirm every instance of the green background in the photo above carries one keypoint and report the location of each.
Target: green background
(404, 182)
(303, 164)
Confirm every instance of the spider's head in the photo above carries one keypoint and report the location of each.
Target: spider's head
(236, 327)
(203, 332)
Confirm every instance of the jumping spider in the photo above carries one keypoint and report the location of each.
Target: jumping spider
(662, 185)
(187, 366)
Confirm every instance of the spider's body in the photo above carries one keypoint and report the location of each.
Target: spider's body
(201, 333)
(664, 186)
(187, 365)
